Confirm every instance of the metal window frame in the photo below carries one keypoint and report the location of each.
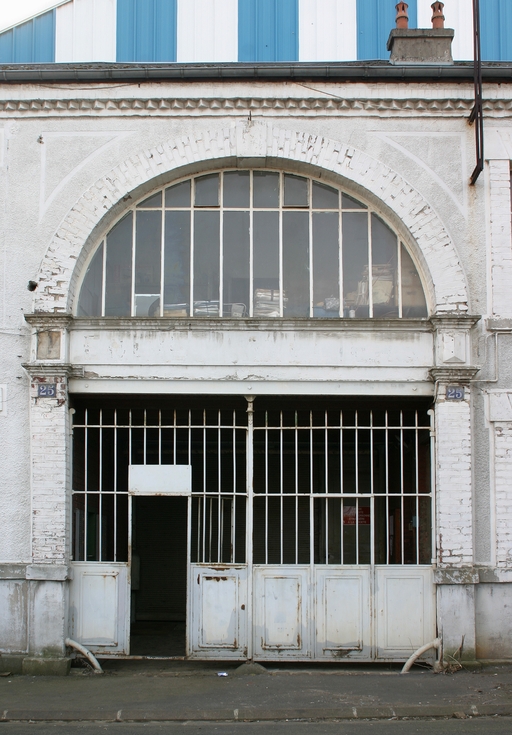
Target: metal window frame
(281, 209)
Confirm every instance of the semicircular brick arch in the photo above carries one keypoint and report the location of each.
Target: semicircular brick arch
(272, 145)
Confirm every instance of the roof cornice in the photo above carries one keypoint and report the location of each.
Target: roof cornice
(389, 106)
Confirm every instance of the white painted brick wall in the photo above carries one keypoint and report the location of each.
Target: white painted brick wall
(503, 493)
(501, 237)
(50, 475)
(454, 502)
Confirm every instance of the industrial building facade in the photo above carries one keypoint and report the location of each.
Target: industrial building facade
(256, 396)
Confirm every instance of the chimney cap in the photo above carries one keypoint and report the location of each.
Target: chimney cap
(402, 17)
(421, 46)
(437, 15)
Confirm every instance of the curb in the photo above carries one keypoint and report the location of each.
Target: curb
(252, 714)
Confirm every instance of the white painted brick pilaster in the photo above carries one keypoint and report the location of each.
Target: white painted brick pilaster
(454, 482)
(50, 474)
(503, 492)
(501, 237)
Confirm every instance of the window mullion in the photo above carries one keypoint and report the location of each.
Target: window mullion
(192, 210)
(221, 245)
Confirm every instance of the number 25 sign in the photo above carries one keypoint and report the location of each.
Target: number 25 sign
(454, 393)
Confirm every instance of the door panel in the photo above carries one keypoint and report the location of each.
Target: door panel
(343, 616)
(281, 612)
(218, 612)
(99, 595)
(405, 610)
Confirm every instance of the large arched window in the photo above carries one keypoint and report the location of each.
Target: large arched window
(242, 244)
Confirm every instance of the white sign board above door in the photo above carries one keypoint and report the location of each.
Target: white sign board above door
(160, 479)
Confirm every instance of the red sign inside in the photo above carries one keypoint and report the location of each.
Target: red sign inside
(349, 515)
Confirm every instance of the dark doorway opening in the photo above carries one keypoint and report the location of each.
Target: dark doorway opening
(159, 576)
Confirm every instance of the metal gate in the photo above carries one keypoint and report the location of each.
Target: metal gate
(310, 522)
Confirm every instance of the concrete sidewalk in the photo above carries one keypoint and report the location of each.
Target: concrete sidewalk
(187, 691)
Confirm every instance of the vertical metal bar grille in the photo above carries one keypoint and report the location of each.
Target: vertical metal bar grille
(330, 486)
(342, 487)
(107, 441)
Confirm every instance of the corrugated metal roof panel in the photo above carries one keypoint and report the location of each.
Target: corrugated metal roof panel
(375, 20)
(268, 30)
(496, 30)
(85, 30)
(31, 42)
(146, 30)
(327, 30)
(207, 30)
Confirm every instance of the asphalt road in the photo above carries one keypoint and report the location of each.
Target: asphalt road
(474, 726)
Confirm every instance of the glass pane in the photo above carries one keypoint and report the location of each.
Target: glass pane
(381, 539)
(122, 528)
(355, 264)
(177, 264)
(424, 469)
(296, 264)
(89, 302)
(93, 535)
(384, 269)
(325, 197)
(289, 531)
(349, 531)
(148, 235)
(152, 202)
(236, 264)
(363, 521)
(425, 530)
(207, 191)
(107, 527)
(236, 189)
(178, 195)
(118, 277)
(78, 527)
(413, 297)
(410, 531)
(351, 203)
(395, 530)
(265, 189)
(326, 267)
(206, 263)
(409, 461)
(266, 264)
(295, 191)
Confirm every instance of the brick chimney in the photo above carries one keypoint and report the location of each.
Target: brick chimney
(420, 45)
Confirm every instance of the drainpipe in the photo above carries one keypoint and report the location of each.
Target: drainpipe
(436, 643)
(88, 655)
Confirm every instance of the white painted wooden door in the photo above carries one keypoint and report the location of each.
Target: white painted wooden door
(99, 606)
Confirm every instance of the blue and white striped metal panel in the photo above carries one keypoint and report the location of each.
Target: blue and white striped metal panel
(86, 31)
(31, 42)
(243, 30)
(327, 30)
(375, 19)
(496, 30)
(207, 30)
(146, 30)
(268, 30)
(459, 16)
